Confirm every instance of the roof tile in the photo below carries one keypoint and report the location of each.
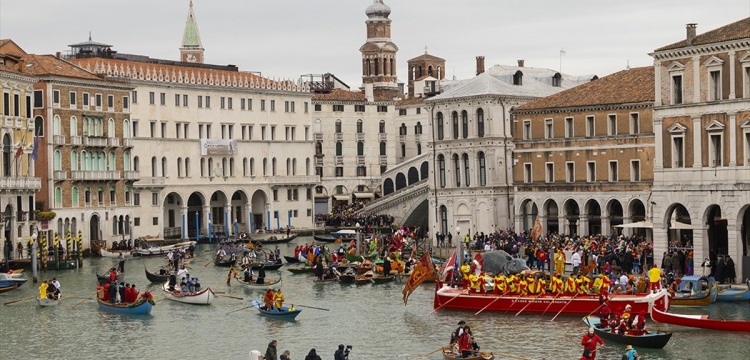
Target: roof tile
(737, 30)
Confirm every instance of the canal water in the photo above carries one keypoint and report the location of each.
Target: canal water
(371, 318)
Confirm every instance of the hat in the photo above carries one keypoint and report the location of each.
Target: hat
(629, 347)
(461, 322)
(654, 265)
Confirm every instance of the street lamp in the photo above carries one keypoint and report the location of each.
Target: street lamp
(459, 252)
(34, 236)
(130, 230)
(210, 231)
(357, 226)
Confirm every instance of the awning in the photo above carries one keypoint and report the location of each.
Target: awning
(638, 225)
(364, 195)
(676, 225)
(342, 197)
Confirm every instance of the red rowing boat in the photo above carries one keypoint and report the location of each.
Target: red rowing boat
(699, 321)
(457, 298)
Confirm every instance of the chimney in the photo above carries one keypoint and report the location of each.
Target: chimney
(369, 92)
(520, 63)
(480, 65)
(58, 54)
(691, 33)
(21, 65)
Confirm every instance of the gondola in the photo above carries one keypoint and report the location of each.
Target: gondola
(699, 321)
(47, 301)
(696, 291)
(141, 307)
(105, 278)
(156, 278)
(291, 259)
(225, 263)
(735, 294)
(255, 284)
(697, 300)
(449, 354)
(652, 339)
(325, 281)
(347, 278)
(269, 265)
(284, 314)
(383, 279)
(272, 239)
(300, 270)
(328, 238)
(203, 297)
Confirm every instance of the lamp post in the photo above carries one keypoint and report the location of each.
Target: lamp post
(357, 226)
(210, 231)
(130, 230)
(459, 253)
(34, 236)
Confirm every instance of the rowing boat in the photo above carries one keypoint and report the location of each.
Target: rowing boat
(735, 294)
(284, 313)
(269, 265)
(652, 339)
(47, 301)
(141, 307)
(263, 285)
(156, 278)
(449, 354)
(383, 279)
(699, 321)
(203, 297)
(8, 288)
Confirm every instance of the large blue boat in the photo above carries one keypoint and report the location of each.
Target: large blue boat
(735, 294)
(9, 280)
(141, 307)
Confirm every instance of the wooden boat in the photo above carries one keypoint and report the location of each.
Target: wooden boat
(347, 278)
(162, 250)
(254, 284)
(156, 278)
(459, 299)
(141, 307)
(203, 297)
(652, 339)
(47, 301)
(270, 265)
(734, 294)
(449, 354)
(284, 314)
(8, 288)
(341, 235)
(383, 279)
(8, 280)
(698, 300)
(300, 269)
(225, 263)
(696, 291)
(105, 278)
(272, 238)
(325, 281)
(699, 321)
(291, 259)
(115, 253)
(372, 255)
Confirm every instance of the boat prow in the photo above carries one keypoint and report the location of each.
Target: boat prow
(47, 301)
(699, 321)
(203, 297)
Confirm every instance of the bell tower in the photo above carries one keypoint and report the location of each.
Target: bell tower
(191, 49)
(379, 54)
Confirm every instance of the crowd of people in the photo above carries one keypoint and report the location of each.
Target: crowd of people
(342, 353)
(345, 216)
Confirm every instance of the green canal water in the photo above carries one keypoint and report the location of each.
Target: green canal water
(371, 318)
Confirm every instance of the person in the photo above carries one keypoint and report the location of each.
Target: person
(576, 261)
(277, 254)
(631, 353)
(121, 263)
(121, 292)
(464, 344)
(386, 266)
(43, 290)
(654, 279)
(729, 271)
(20, 250)
(268, 298)
(248, 274)
(182, 273)
(278, 299)
(113, 292)
(474, 346)
(51, 289)
(112, 275)
(589, 341)
(56, 283)
(285, 355)
(459, 330)
(133, 293)
(262, 274)
(197, 284)
(271, 351)
(312, 355)
(339, 354)
(706, 265)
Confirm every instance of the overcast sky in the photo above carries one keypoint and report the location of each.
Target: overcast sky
(289, 38)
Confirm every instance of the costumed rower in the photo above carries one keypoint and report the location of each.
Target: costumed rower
(465, 269)
(43, 290)
(485, 279)
(500, 285)
(570, 285)
(604, 289)
(268, 299)
(533, 285)
(278, 299)
(474, 282)
(522, 285)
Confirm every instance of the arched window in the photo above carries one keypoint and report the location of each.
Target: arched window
(179, 167)
(39, 126)
(273, 167)
(126, 129)
(480, 123)
(307, 166)
(153, 166)
(457, 169)
(73, 126)
(58, 160)
(455, 124)
(56, 125)
(288, 166)
(318, 147)
(74, 196)
(360, 129)
(382, 148)
(210, 168)
(418, 128)
(440, 126)
(164, 167)
(465, 124)
(73, 160)
(231, 167)
(419, 149)
(252, 166)
(444, 220)
(439, 73)
(111, 162)
(381, 127)
(111, 128)
(294, 167)
(518, 78)
(360, 148)
(244, 167)
(402, 129)
(339, 148)
(338, 126)
(126, 160)
(482, 169)
(224, 167)
(87, 195)
(86, 126)
(84, 160)
(58, 196)
(137, 165)
(403, 150)
(187, 167)
(203, 167)
(429, 70)
(467, 174)
(441, 171)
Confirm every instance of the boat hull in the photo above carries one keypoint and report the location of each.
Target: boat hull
(225, 263)
(271, 265)
(651, 339)
(291, 259)
(267, 238)
(4, 289)
(704, 300)
(47, 301)
(264, 285)
(448, 354)
(734, 295)
(203, 297)
(115, 253)
(457, 299)
(9, 280)
(142, 307)
(156, 278)
(699, 321)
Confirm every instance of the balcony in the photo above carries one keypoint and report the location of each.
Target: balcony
(75, 140)
(21, 215)
(20, 183)
(417, 137)
(30, 124)
(95, 175)
(383, 159)
(360, 159)
(338, 136)
(131, 175)
(60, 175)
(8, 122)
(360, 137)
(58, 140)
(339, 160)
(151, 182)
(382, 137)
(94, 141)
(20, 123)
(127, 143)
(399, 159)
(295, 180)
(318, 161)
(113, 142)
(402, 138)
(318, 136)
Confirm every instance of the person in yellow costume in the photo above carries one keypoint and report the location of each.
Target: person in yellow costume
(278, 299)
(500, 285)
(43, 290)
(465, 269)
(542, 285)
(583, 287)
(654, 279)
(474, 282)
(523, 285)
(570, 286)
(512, 282)
(485, 279)
(557, 285)
(560, 262)
(598, 283)
(533, 287)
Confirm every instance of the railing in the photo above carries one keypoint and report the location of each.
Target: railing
(318, 136)
(383, 159)
(94, 141)
(382, 137)
(58, 140)
(360, 137)
(20, 183)
(360, 159)
(294, 180)
(402, 138)
(21, 215)
(75, 140)
(128, 143)
(19, 123)
(113, 142)
(151, 182)
(60, 175)
(339, 160)
(131, 175)
(318, 161)
(417, 137)
(338, 136)
(95, 175)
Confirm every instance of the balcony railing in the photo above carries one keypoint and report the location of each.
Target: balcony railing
(8, 122)
(58, 140)
(151, 182)
(679, 163)
(75, 140)
(338, 136)
(94, 141)
(60, 175)
(318, 161)
(360, 159)
(295, 180)
(360, 137)
(383, 159)
(20, 183)
(382, 137)
(95, 175)
(318, 136)
(128, 143)
(339, 160)
(131, 175)
(402, 138)
(20, 123)
(417, 137)
(113, 142)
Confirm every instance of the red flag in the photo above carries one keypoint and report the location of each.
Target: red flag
(536, 232)
(424, 270)
(19, 152)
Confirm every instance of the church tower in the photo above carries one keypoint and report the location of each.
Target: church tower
(379, 54)
(191, 49)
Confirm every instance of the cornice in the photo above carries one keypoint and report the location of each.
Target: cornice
(605, 107)
(734, 45)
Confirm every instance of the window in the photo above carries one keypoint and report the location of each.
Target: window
(465, 124)
(590, 171)
(527, 173)
(715, 150)
(339, 171)
(455, 125)
(58, 196)
(85, 101)
(676, 89)
(440, 126)
(151, 98)
(125, 103)
(613, 171)
(176, 99)
(242, 104)
(361, 171)
(401, 112)
(229, 103)
(590, 126)
(548, 130)
(273, 105)
(480, 123)
(338, 108)
(263, 105)
(359, 108)
(98, 100)
(482, 169)
(527, 129)
(39, 99)
(110, 102)
(134, 95)
(557, 80)
(441, 169)
(152, 128)
(549, 172)
(163, 99)
(200, 101)
(55, 98)
(635, 170)
(273, 132)
(569, 127)
(73, 99)
(317, 107)
(714, 85)
(634, 123)
(518, 78)
(678, 152)
(611, 124)
(337, 128)
(222, 102)
(307, 107)
(184, 100)
(457, 169)
(382, 108)
(208, 102)
(286, 106)
(570, 175)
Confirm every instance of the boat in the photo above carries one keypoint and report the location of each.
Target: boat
(372, 255)
(699, 321)
(291, 259)
(202, 297)
(105, 278)
(300, 269)
(225, 263)
(141, 307)
(457, 298)
(47, 301)
(156, 278)
(383, 279)
(162, 250)
(4, 289)
(448, 353)
(254, 284)
(696, 291)
(269, 265)
(272, 238)
(284, 314)
(115, 253)
(735, 294)
(652, 339)
(347, 278)
(325, 281)
(8, 280)
(337, 236)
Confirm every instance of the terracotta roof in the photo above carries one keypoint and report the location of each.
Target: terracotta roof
(8, 46)
(411, 101)
(736, 30)
(426, 57)
(50, 65)
(635, 85)
(340, 95)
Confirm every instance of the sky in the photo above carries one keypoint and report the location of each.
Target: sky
(289, 38)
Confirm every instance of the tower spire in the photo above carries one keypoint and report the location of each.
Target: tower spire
(192, 48)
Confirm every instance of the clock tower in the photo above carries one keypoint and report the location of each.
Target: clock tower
(191, 49)
(379, 53)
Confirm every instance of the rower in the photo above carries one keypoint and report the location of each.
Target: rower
(500, 285)
(248, 274)
(278, 299)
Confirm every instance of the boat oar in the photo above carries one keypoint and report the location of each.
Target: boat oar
(488, 305)
(530, 302)
(429, 353)
(15, 301)
(514, 301)
(82, 301)
(246, 307)
(564, 306)
(597, 308)
(311, 307)
(446, 303)
(233, 297)
(550, 304)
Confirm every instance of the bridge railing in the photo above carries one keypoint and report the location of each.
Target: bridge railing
(387, 201)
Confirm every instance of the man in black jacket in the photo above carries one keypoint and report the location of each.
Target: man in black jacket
(271, 351)
(339, 354)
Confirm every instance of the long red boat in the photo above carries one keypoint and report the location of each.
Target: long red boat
(457, 298)
(699, 321)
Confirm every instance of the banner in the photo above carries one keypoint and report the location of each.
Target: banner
(536, 232)
(424, 270)
(218, 147)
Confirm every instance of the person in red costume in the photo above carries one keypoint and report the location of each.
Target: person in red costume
(589, 341)
(464, 344)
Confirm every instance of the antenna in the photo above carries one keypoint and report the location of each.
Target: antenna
(562, 53)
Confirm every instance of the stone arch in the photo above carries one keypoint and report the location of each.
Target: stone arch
(572, 215)
(615, 212)
(172, 215)
(388, 186)
(529, 212)
(743, 226)
(552, 212)
(237, 212)
(718, 235)
(400, 181)
(424, 170)
(594, 216)
(413, 175)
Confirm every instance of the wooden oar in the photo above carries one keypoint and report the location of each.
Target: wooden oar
(491, 302)
(232, 297)
(514, 301)
(210, 261)
(246, 307)
(446, 303)
(566, 305)
(550, 304)
(82, 301)
(15, 301)
(311, 307)
(429, 353)
(527, 305)
(597, 308)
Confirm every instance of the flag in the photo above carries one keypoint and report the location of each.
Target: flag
(449, 265)
(36, 149)
(536, 232)
(424, 270)
(19, 152)
(479, 261)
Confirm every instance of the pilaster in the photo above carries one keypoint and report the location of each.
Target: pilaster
(697, 146)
